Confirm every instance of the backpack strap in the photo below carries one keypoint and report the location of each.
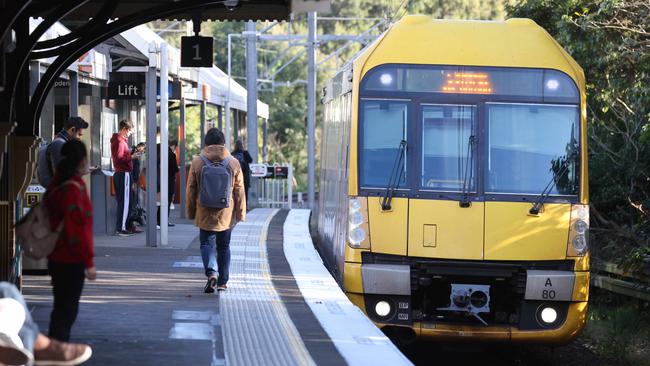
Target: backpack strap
(206, 161)
(226, 161)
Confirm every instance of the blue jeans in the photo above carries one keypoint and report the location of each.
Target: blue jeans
(29, 331)
(215, 252)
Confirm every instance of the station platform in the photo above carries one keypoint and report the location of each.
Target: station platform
(282, 307)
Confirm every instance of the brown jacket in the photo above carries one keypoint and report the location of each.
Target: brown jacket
(212, 219)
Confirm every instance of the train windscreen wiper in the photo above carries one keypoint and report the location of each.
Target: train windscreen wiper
(469, 172)
(395, 176)
(570, 157)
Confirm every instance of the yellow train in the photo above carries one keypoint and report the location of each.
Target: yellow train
(453, 183)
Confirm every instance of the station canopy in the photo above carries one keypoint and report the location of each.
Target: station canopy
(213, 10)
(213, 77)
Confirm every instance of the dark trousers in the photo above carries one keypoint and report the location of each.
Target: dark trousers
(171, 187)
(122, 185)
(67, 284)
(246, 193)
(215, 252)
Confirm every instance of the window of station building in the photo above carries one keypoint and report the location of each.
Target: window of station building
(539, 84)
(383, 126)
(531, 146)
(448, 159)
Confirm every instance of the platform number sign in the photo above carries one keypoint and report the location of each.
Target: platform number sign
(196, 51)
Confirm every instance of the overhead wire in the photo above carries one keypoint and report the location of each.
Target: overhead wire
(403, 7)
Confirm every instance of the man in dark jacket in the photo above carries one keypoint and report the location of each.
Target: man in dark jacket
(123, 166)
(244, 159)
(73, 129)
(172, 170)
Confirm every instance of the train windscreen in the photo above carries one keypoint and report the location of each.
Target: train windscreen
(530, 146)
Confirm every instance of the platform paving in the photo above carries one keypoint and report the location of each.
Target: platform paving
(147, 306)
(144, 308)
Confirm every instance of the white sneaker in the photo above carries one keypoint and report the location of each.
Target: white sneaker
(158, 227)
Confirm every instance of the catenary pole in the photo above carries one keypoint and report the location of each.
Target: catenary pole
(251, 112)
(311, 106)
(227, 104)
(183, 156)
(164, 143)
(152, 236)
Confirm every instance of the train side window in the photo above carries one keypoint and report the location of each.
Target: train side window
(383, 125)
(447, 161)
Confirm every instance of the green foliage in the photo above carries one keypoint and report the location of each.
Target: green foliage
(610, 40)
(619, 328)
(287, 140)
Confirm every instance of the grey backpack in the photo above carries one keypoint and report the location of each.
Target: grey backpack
(44, 168)
(216, 183)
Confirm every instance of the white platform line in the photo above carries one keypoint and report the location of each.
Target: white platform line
(357, 338)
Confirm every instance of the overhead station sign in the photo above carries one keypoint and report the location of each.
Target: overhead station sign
(196, 51)
(126, 86)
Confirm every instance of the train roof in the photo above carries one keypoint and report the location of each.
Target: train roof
(517, 42)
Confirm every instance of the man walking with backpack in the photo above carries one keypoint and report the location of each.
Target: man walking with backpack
(49, 155)
(216, 201)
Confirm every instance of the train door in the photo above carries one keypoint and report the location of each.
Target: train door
(446, 217)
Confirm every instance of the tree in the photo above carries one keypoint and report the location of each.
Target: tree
(610, 40)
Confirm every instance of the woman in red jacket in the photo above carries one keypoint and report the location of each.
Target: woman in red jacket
(72, 259)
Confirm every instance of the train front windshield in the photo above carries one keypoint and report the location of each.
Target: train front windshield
(497, 131)
(531, 145)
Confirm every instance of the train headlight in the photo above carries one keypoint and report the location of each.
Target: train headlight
(582, 212)
(581, 227)
(578, 231)
(382, 308)
(356, 236)
(355, 219)
(386, 79)
(355, 205)
(548, 315)
(552, 84)
(580, 244)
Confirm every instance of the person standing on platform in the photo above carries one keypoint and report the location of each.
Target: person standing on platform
(172, 170)
(71, 262)
(215, 224)
(244, 159)
(73, 129)
(135, 211)
(123, 165)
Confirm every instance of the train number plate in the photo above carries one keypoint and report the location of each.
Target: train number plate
(549, 285)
